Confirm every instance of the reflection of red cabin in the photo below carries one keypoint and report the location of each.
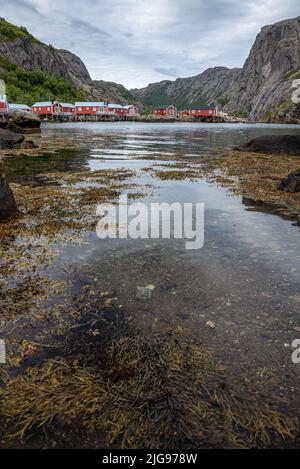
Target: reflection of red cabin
(166, 111)
(53, 108)
(90, 108)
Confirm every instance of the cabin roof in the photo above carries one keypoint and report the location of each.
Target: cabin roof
(18, 106)
(203, 108)
(42, 103)
(165, 106)
(90, 104)
(67, 104)
(115, 106)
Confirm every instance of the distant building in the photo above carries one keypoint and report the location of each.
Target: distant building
(19, 107)
(204, 111)
(90, 108)
(170, 111)
(184, 114)
(53, 108)
(67, 109)
(116, 109)
(131, 110)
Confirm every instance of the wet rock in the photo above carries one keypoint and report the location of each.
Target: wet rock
(211, 324)
(25, 119)
(10, 139)
(10, 126)
(28, 144)
(285, 144)
(144, 293)
(8, 206)
(291, 183)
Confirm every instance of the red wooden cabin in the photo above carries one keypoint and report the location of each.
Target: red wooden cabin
(53, 108)
(116, 109)
(204, 111)
(90, 108)
(131, 110)
(166, 111)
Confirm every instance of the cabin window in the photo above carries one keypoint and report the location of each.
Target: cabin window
(87, 108)
(80, 109)
(48, 108)
(94, 109)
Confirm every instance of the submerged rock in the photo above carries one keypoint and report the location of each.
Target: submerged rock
(145, 293)
(28, 144)
(9, 139)
(286, 144)
(14, 140)
(8, 206)
(25, 119)
(291, 183)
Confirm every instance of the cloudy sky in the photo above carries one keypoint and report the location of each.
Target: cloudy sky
(136, 42)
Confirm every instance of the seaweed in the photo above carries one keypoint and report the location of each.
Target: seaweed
(155, 391)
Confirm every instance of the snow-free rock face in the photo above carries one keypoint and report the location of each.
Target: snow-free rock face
(266, 79)
(262, 90)
(30, 55)
(210, 85)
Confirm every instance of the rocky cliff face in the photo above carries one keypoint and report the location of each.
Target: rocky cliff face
(265, 82)
(209, 86)
(22, 49)
(261, 90)
(31, 55)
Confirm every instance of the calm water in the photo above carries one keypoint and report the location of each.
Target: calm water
(246, 279)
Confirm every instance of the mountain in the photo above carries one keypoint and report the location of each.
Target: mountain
(34, 71)
(264, 87)
(209, 86)
(261, 90)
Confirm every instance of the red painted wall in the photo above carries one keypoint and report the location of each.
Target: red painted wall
(203, 112)
(87, 110)
(3, 106)
(160, 112)
(42, 110)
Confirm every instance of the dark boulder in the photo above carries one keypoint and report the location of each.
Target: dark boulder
(291, 183)
(285, 144)
(8, 206)
(11, 126)
(28, 144)
(25, 119)
(9, 138)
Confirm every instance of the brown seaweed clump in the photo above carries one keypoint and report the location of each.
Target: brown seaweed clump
(256, 176)
(161, 391)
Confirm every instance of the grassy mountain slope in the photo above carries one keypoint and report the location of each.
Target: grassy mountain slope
(34, 71)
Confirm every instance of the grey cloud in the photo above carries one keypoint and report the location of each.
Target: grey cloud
(136, 41)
